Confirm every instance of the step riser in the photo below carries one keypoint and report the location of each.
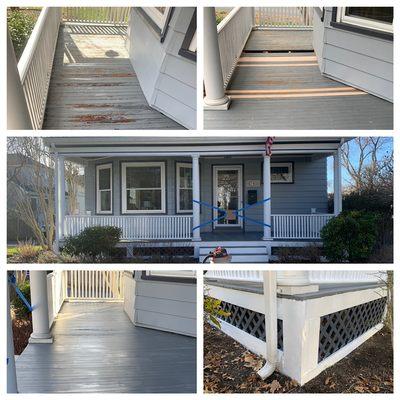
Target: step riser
(236, 250)
(262, 258)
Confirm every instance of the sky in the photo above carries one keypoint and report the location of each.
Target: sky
(388, 148)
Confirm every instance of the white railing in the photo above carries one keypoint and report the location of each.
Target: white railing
(55, 293)
(94, 285)
(36, 63)
(306, 226)
(283, 17)
(138, 227)
(96, 15)
(233, 32)
(317, 277)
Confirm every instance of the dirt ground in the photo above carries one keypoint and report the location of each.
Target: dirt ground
(22, 329)
(230, 368)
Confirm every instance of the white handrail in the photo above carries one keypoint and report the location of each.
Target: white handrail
(97, 15)
(284, 17)
(36, 63)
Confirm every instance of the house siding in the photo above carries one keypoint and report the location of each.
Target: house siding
(356, 59)
(309, 189)
(167, 79)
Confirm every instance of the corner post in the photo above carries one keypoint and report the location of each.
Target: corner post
(267, 195)
(215, 99)
(196, 196)
(40, 313)
(11, 371)
(337, 182)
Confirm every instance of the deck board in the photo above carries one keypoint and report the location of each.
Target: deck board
(97, 349)
(93, 84)
(287, 91)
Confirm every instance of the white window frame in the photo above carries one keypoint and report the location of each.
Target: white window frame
(362, 22)
(282, 164)
(125, 165)
(193, 43)
(98, 191)
(178, 167)
(157, 17)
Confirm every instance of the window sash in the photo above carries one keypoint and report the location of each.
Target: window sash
(157, 17)
(288, 165)
(363, 22)
(179, 188)
(99, 191)
(124, 190)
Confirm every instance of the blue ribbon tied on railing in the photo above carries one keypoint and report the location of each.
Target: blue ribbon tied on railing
(236, 212)
(13, 282)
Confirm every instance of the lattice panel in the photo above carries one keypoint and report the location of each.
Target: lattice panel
(342, 327)
(251, 322)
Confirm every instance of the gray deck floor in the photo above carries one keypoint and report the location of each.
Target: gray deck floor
(93, 84)
(97, 349)
(287, 91)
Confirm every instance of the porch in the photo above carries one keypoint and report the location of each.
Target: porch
(75, 73)
(262, 72)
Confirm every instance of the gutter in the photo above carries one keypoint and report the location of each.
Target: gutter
(270, 302)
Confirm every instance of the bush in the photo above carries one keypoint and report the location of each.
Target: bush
(19, 307)
(95, 242)
(308, 254)
(350, 237)
(20, 26)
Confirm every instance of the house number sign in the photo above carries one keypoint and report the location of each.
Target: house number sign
(253, 183)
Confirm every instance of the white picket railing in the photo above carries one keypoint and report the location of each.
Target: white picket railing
(306, 226)
(97, 15)
(233, 32)
(36, 63)
(138, 227)
(94, 285)
(283, 17)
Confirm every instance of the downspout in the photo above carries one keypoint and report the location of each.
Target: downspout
(271, 316)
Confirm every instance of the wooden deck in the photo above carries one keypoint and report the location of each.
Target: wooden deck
(277, 86)
(97, 349)
(93, 84)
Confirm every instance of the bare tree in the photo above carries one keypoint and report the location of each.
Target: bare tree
(37, 168)
(72, 178)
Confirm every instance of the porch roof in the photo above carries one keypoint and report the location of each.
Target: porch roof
(97, 349)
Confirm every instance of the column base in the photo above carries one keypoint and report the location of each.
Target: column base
(217, 105)
(41, 339)
(293, 290)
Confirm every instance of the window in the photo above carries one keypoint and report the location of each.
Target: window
(159, 17)
(282, 172)
(104, 189)
(184, 195)
(375, 18)
(143, 187)
(189, 44)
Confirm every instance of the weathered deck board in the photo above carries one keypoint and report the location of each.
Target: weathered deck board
(93, 84)
(287, 91)
(97, 349)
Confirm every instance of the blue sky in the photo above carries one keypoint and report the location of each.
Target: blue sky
(386, 149)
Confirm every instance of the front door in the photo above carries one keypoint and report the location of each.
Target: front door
(227, 195)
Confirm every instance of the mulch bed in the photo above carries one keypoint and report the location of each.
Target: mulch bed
(22, 329)
(231, 368)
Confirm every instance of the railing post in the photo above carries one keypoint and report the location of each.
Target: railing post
(17, 109)
(196, 196)
(267, 195)
(215, 99)
(40, 313)
(11, 372)
(337, 178)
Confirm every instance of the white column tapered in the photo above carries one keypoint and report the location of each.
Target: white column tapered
(267, 195)
(337, 182)
(196, 196)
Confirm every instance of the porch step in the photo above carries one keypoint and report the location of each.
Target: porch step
(240, 253)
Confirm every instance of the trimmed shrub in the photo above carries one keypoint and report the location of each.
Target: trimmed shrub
(350, 237)
(94, 242)
(19, 307)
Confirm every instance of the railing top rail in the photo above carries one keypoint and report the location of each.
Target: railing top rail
(227, 19)
(128, 216)
(30, 48)
(303, 215)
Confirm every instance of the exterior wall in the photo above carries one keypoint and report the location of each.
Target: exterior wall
(167, 79)
(309, 189)
(355, 59)
(165, 305)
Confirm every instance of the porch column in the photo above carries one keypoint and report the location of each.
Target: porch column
(196, 196)
(267, 195)
(11, 372)
(17, 109)
(215, 99)
(295, 282)
(337, 182)
(40, 313)
(59, 198)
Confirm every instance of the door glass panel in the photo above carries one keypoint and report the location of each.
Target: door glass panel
(227, 192)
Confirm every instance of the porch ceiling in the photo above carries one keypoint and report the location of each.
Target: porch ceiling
(97, 349)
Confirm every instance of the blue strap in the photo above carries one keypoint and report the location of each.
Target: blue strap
(246, 207)
(12, 281)
(253, 220)
(211, 220)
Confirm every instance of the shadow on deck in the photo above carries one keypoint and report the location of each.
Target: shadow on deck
(97, 349)
(277, 84)
(93, 84)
